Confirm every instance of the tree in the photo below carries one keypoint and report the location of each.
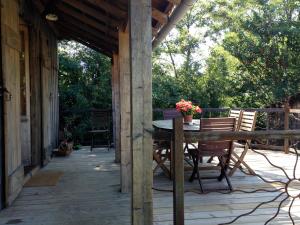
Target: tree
(84, 83)
(264, 36)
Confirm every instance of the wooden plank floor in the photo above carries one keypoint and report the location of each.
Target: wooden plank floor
(216, 208)
(88, 193)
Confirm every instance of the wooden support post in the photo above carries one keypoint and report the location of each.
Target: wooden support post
(268, 125)
(115, 82)
(125, 112)
(286, 127)
(178, 172)
(141, 111)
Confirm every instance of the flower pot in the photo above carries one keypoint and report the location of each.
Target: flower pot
(188, 119)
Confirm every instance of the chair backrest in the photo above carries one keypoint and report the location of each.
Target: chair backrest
(248, 121)
(216, 124)
(169, 114)
(100, 119)
(237, 114)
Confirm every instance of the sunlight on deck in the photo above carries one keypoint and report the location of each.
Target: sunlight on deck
(88, 193)
(216, 208)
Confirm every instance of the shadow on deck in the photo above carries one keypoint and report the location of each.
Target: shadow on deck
(88, 193)
(217, 208)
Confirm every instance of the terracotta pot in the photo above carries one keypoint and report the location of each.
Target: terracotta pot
(188, 119)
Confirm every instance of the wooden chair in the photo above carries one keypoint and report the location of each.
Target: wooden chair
(237, 114)
(247, 123)
(161, 147)
(100, 127)
(221, 149)
(169, 114)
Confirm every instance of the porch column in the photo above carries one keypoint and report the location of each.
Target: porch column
(115, 81)
(141, 110)
(125, 111)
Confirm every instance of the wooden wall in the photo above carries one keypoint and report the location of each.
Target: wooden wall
(11, 77)
(43, 85)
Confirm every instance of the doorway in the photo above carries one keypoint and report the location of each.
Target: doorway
(25, 99)
(2, 156)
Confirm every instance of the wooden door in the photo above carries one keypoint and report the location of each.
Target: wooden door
(2, 156)
(25, 96)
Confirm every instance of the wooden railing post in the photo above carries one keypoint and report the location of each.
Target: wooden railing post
(267, 125)
(286, 127)
(178, 172)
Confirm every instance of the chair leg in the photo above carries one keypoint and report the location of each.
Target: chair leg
(210, 159)
(188, 162)
(228, 182)
(221, 164)
(199, 179)
(224, 168)
(195, 168)
(108, 143)
(92, 144)
(160, 163)
(240, 160)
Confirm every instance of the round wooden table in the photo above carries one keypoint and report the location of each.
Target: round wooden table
(168, 125)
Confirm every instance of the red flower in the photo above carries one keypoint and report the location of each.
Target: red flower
(198, 109)
(187, 107)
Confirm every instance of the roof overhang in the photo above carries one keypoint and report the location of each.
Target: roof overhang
(95, 23)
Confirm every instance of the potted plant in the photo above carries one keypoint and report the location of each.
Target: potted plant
(187, 110)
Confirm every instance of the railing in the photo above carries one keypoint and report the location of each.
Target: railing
(268, 119)
(178, 136)
(77, 123)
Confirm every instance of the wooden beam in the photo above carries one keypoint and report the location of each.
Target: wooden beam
(161, 17)
(175, 2)
(88, 37)
(83, 42)
(73, 22)
(50, 7)
(125, 111)
(40, 7)
(154, 31)
(109, 8)
(70, 32)
(174, 18)
(87, 20)
(86, 9)
(115, 83)
(52, 26)
(178, 171)
(242, 135)
(141, 110)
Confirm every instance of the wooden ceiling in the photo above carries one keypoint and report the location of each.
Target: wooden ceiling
(95, 23)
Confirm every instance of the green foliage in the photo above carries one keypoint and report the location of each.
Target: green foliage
(224, 53)
(84, 83)
(255, 58)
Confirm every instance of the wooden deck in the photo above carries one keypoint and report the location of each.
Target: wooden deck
(88, 193)
(216, 208)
